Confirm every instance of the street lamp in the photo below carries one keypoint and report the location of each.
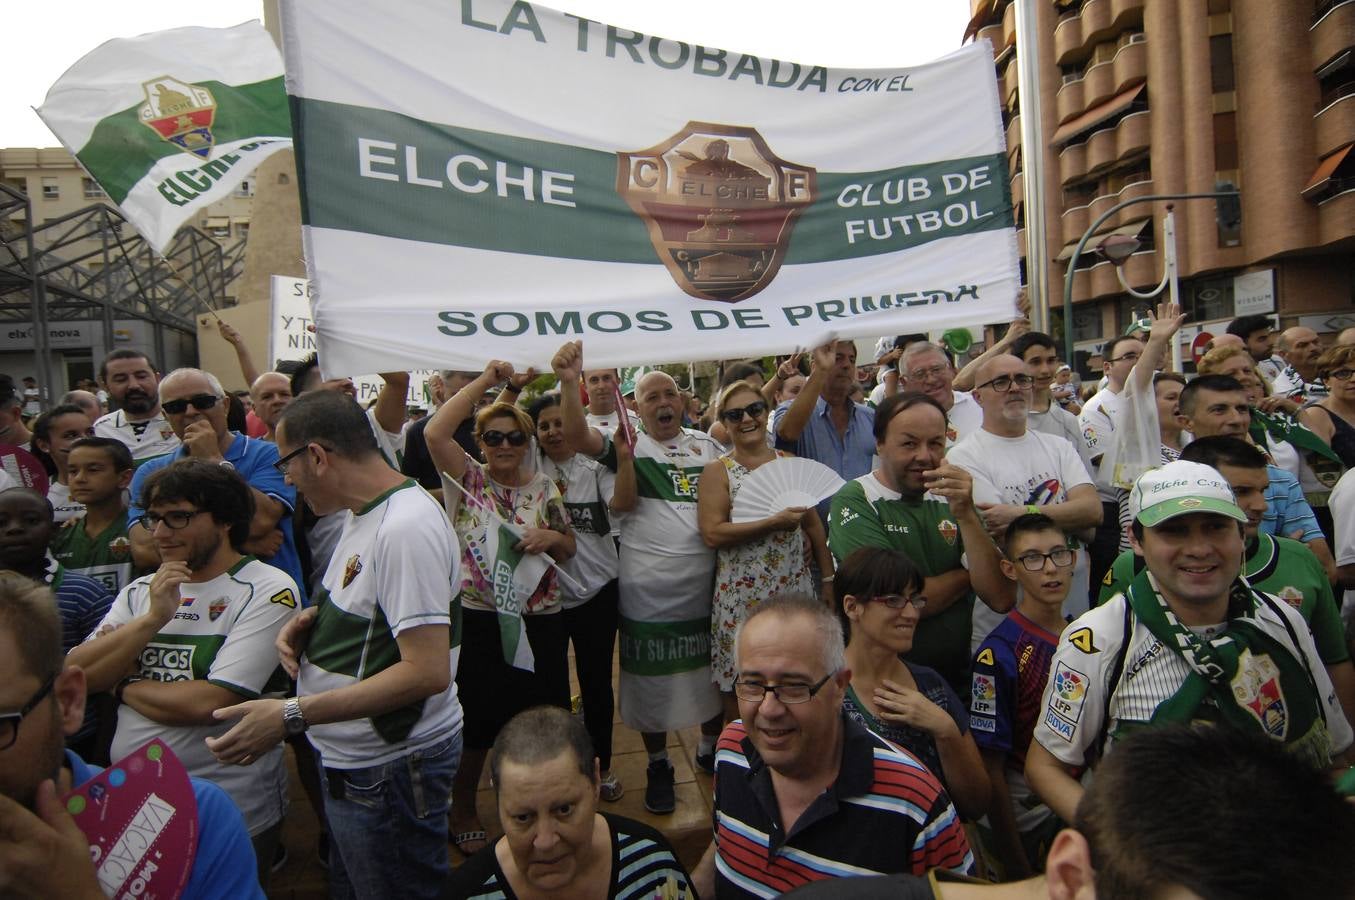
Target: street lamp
(1119, 247)
(1087, 236)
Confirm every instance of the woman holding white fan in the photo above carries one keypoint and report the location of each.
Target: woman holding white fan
(765, 556)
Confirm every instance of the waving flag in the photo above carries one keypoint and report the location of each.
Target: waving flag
(170, 122)
(494, 177)
(514, 576)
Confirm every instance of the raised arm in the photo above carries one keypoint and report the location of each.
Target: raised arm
(964, 379)
(390, 402)
(981, 555)
(624, 492)
(784, 372)
(568, 367)
(796, 417)
(233, 337)
(440, 432)
(1157, 351)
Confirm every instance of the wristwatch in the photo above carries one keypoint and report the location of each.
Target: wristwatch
(227, 464)
(293, 723)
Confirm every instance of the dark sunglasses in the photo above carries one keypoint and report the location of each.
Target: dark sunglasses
(515, 438)
(752, 410)
(9, 722)
(201, 402)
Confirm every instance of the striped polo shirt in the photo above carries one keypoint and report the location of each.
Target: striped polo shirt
(884, 814)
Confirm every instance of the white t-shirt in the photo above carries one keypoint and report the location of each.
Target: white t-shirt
(587, 487)
(965, 418)
(1097, 420)
(395, 567)
(1035, 468)
(663, 521)
(223, 633)
(146, 439)
(1059, 422)
(63, 507)
(1075, 699)
(607, 424)
(1342, 506)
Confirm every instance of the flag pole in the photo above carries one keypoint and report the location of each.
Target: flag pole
(1033, 158)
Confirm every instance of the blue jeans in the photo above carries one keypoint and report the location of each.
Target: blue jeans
(388, 824)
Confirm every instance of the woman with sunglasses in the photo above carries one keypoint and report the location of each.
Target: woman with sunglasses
(879, 600)
(507, 487)
(754, 560)
(1334, 415)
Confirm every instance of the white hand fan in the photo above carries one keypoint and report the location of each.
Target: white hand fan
(782, 483)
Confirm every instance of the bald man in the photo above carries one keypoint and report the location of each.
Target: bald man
(270, 393)
(1299, 381)
(667, 572)
(1346, 338)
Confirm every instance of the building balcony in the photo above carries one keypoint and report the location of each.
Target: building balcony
(1014, 133)
(1142, 270)
(1009, 81)
(1009, 26)
(994, 34)
(1072, 163)
(1334, 124)
(1336, 217)
(1098, 20)
(1069, 101)
(1098, 84)
(1110, 145)
(1018, 184)
(1332, 33)
(1105, 201)
(1075, 221)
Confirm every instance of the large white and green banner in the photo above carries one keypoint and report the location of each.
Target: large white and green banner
(170, 122)
(489, 178)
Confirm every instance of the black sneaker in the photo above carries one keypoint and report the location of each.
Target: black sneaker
(706, 762)
(659, 794)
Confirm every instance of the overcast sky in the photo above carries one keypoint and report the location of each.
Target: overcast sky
(47, 36)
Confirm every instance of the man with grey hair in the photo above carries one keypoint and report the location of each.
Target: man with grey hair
(416, 463)
(194, 403)
(1301, 347)
(269, 394)
(926, 369)
(798, 780)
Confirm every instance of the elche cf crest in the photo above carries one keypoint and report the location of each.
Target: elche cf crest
(180, 113)
(719, 206)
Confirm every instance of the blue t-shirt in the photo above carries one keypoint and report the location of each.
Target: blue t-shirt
(224, 866)
(253, 460)
(1286, 509)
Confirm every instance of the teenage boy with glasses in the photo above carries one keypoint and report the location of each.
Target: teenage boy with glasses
(1009, 675)
(196, 636)
(193, 401)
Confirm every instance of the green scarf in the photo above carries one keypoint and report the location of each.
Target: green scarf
(1254, 681)
(1321, 458)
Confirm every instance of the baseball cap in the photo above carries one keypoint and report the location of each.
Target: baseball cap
(1179, 488)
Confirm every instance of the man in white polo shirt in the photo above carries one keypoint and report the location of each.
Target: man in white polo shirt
(133, 385)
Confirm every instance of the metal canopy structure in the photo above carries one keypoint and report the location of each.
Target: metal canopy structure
(91, 265)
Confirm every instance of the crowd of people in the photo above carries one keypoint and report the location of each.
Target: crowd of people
(1030, 634)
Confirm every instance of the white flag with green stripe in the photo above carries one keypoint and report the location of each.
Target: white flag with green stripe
(514, 576)
(170, 122)
(490, 178)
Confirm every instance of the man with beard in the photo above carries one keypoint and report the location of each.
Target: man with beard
(196, 636)
(1258, 336)
(1017, 471)
(896, 506)
(42, 851)
(667, 572)
(133, 385)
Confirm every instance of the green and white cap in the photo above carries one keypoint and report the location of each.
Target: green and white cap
(1179, 488)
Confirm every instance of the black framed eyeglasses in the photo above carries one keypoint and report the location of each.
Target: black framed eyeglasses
(200, 402)
(1128, 357)
(736, 414)
(495, 438)
(899, 601)
(174, 520)
(1034, 562)
(283, 462)
(1003, 383)
(756, 691)
(9, 722)
(1340, 374)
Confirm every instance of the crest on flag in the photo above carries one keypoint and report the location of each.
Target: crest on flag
(719, 206)
(1257, 689)
(180, 113)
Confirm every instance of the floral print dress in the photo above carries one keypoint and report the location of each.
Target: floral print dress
(745, 575)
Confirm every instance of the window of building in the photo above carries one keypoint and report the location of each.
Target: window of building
(245, 188)
(1086, 323)
(1079, 194)
(51, 188)
(242, 230)
(284, 178)
(1336, 79)
(1221, 76)
(1204, 299)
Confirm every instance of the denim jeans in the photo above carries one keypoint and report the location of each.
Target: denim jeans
(388, 824)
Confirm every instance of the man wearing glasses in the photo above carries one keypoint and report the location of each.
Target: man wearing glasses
(1017, 471)
(196, 636)
(194, 403)
(802, 792)
(926, 368)
(42, 851)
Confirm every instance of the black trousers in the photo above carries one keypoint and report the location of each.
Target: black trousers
(592, 628)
